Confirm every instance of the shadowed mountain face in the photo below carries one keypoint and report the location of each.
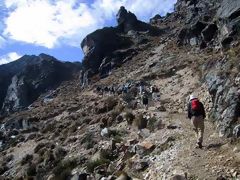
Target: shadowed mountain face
(22, 81)
(104, 128)
(101, 47)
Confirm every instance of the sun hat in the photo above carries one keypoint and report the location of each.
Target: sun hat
(192, 97)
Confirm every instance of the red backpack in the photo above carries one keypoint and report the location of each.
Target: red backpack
(195, 105)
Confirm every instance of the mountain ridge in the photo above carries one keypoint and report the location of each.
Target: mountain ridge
(84, 130)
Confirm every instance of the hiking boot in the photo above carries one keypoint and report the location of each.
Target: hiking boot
(200, 145)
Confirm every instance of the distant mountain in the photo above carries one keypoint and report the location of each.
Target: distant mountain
(23, 80)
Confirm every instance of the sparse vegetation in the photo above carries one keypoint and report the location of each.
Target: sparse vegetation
(63, 170)
(93, 164)
(140, 122)
(26, 159)
(152, 123)
(129, 117)
(110, 103)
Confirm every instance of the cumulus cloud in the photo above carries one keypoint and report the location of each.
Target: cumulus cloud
(12, 56)
(49, 23)
(2, 41)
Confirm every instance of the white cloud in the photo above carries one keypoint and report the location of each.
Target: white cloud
(47, 23)
(2, 41)
(12, 56)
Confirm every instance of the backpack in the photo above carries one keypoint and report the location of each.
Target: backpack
(195, 107)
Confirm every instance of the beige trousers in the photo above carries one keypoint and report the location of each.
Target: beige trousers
(198, 124)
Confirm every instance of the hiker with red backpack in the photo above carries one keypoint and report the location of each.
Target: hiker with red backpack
(197, 114)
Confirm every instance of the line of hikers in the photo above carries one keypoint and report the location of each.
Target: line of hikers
(196, 111)
(145, 92)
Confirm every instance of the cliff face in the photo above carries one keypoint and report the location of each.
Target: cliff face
(24, 80)
(102, 46)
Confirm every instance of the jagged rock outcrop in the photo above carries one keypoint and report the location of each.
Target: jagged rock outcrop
(155, 19)
(99, 47)
(127, 21)
(225, 96)
(29, 77)
(221, 18)
(100, 44)
(229, 21)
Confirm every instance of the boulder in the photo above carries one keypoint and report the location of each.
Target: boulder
(124, 176)
(105, 132)
(140, 165)
(236, 131)
(178, 177)
(144, 148)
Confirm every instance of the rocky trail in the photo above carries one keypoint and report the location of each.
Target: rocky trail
(78, 132)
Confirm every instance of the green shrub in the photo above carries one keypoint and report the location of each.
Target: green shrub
(152, 123)
(91, 165)
(26, 159)
(140, 122)
(63, 170)
(110, 102)
(129, 117)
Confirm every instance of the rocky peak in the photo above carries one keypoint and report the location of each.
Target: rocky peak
(25, 79)
(126, 20)
(100, 52)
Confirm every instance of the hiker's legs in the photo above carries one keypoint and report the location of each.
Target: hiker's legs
(200, 129)
(195, 125)
(198, 123)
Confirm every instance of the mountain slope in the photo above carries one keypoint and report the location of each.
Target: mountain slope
(22, 81)
(78, 133)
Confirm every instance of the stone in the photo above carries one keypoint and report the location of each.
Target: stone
(123, 176)
(51, 177)
(105, 132)
(236, 131)
(178, 177)
(144, 133)
(144, 148)
(140, 165)
(80, 176)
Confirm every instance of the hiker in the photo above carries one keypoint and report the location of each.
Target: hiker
(106, 90)
(112, 90)
(145, 100)
(197, 114)
(125, 89)
(154, 90)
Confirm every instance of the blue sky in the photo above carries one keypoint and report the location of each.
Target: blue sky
(57, 27)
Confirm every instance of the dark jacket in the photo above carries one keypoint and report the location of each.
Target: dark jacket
(199, 113)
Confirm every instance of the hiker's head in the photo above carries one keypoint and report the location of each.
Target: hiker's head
(191, 97)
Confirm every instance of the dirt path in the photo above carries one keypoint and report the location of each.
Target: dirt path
(179, 155)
